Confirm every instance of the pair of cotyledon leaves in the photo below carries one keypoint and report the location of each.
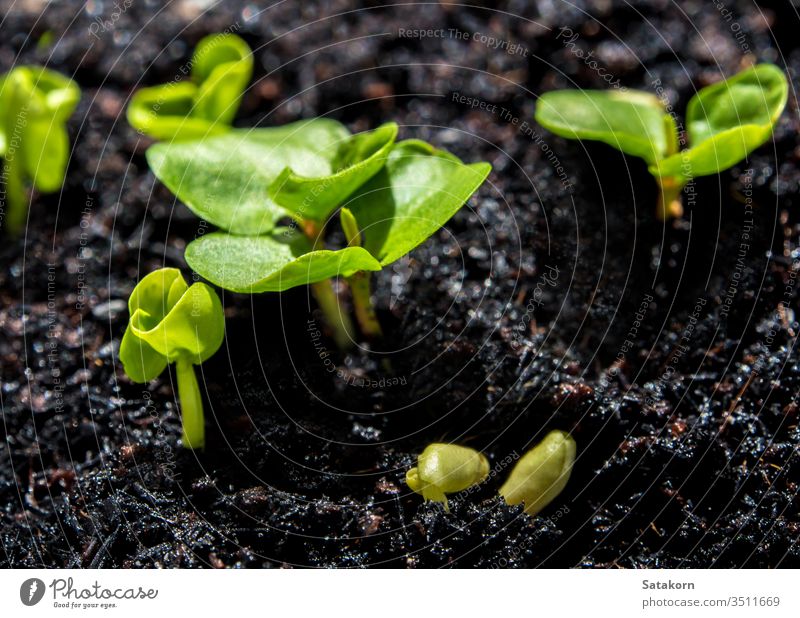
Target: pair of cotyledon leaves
(247, 181)
(724, 122)
(35, 104)
(205, 104)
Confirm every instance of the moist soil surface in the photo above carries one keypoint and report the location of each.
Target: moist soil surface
(554, 300)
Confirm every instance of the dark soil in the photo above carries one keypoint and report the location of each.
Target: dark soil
(685, 415)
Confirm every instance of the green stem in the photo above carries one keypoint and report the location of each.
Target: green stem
(194, 432)
(338, 321)
(16, 202)
(362, 304)
(669, 198)
(327, 299)
(15, 122)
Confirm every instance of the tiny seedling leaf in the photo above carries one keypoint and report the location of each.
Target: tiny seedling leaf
(630, 121)
(35, 104)
(222, 65)
(357, 160)
(727, 121)
(172, 322)
(247, 180)
(169, 320)
(271, 263)
(415, 194)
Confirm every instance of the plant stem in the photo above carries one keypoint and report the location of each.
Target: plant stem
(326, 297)
(194, 431)
(362, 303)
(15, 122)
(669, 198)
(335, 318)
(16, 201)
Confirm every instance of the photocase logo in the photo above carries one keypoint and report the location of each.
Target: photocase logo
(31, 591)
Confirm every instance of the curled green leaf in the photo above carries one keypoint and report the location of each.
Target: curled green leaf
(221, 68)
(171, 321)
(35, 104)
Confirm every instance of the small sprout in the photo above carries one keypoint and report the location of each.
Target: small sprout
(446, 469)
(35, 104)
(724, 123)
(541, 474)
(222, 66)
(171, 322)
(396, 195)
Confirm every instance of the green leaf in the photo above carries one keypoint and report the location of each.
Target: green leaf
(140, 362)
(250, 264)
(150, 299)
(49, 93)
(413, 196)
(35, 104)
(46, 154)
(165, 113)
(630, 121)
(170, 321)
(193, 328)
(728, 120)
(228, 180)
(357, 160)
(222, 66)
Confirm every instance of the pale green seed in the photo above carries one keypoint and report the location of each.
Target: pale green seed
(541, 474)
(446, 469)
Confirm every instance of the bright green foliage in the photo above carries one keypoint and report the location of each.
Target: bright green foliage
(274, 263)
(171, 322)
(35, 104)
(221, 68)
(724, 123)
(247, 180)
(392, 197)
(541, 474)
(415, 193)
(446, 469)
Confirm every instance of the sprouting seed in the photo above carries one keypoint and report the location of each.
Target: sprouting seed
(446, 469)
(541, 474)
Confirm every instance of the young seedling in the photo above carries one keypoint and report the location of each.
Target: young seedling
(396, 195)
(724, 123)
(221, 68)
(171, 322)
(35, 104)
(446, 469)
(541, 474)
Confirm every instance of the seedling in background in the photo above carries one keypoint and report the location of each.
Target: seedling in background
(724, 123)
(35, 104)
(246, 182)
(446, 469)
(171, 322)
(221, 68)
(541, 474)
